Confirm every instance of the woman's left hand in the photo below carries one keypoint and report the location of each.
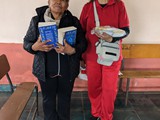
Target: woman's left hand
(104, 36)
(67, 49)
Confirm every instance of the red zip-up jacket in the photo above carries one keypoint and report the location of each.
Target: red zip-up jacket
(113, 14)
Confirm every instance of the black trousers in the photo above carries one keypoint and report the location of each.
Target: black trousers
(56, 94)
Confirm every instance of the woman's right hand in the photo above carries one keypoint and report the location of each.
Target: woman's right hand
(41, 46)
(104, 36)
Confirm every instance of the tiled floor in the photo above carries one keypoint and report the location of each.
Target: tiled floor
(140, 107)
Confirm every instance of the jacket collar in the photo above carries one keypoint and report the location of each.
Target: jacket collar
(41, 10)
(110, 2)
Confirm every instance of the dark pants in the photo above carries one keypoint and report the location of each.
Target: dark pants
(56, 97)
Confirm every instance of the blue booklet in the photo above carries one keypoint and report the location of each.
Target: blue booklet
(68, 34)
(48, 31)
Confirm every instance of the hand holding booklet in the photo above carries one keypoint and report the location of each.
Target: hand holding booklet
(112, 31)
(49, 31)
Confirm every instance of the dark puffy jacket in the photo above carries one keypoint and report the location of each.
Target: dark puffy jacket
(39, 57)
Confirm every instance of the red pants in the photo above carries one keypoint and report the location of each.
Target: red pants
(102, 88)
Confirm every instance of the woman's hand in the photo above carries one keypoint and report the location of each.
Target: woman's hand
(67, 49)
(41, 46)
(104, 36)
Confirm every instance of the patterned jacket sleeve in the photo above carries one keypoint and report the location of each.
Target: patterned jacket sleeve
(31, 36)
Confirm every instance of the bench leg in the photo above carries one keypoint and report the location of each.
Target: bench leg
(35, 113)
(10, 82)
(127, 91)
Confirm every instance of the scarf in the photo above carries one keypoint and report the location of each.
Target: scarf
(48, 18)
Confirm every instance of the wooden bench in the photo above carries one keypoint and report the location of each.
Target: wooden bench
(138, 51)
(15, 105)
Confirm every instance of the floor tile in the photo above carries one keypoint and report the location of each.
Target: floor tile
(155, 98)
(140, 107)
(149, 115)
(125, 115)
(87, 114)
(86, 104)
(77, 115)
(76, 104)
(142, 102)
(3, 97)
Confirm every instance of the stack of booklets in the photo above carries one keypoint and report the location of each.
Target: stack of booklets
(49, 31)
(112, 31)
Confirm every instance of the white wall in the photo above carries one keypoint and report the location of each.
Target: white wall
(16, 15)
(15, 18)
(144, 21)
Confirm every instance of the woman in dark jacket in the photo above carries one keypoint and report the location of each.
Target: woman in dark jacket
(55, 72)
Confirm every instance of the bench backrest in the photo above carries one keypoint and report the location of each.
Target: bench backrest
(4, 66)
(141, 50)
(4, 69)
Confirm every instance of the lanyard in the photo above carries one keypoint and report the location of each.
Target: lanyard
(96, 15)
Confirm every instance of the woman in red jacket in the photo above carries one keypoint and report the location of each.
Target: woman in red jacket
(102, 79)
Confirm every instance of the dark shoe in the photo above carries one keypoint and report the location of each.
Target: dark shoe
(94, 118)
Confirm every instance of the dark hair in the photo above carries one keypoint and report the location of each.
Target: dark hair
(115, 0)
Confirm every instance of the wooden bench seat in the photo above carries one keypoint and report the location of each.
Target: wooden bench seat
(15, 105)
(138, 51)
(140, 74)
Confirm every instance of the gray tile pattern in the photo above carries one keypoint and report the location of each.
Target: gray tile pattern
(140, 107)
